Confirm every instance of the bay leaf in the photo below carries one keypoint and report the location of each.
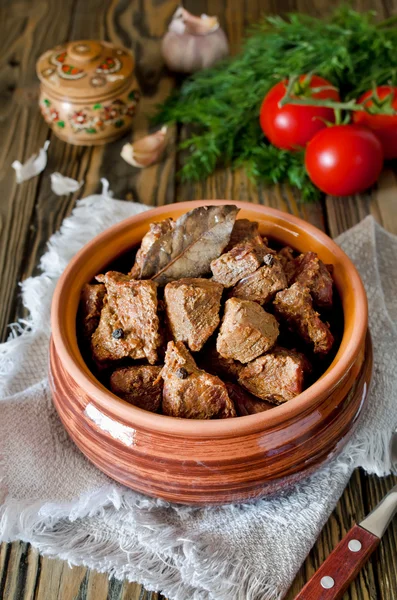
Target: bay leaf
(198, 237)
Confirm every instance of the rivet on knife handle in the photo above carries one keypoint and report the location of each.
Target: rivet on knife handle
(335, 574)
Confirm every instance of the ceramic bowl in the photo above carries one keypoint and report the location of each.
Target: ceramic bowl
(217, 461)
(88, 92)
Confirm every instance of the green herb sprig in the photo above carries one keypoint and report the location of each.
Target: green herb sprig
(222, 104)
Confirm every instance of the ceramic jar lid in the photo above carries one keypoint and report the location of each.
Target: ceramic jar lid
(85, 69)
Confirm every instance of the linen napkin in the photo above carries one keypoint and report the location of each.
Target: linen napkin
(52, 497)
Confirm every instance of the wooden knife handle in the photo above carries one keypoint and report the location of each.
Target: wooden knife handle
(342, 566)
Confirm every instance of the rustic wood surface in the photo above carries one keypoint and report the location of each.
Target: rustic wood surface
(30, 213)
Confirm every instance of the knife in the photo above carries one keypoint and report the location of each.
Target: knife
(344, 563)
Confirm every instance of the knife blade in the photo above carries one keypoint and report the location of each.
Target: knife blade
(379, 519)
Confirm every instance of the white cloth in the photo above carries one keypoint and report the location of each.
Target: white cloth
(54, 498)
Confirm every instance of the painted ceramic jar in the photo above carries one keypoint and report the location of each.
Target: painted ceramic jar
(89, 92)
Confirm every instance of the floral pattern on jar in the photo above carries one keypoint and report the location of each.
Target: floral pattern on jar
(99, 116)
(110, 65)
(94, 119)
(113, 111)
(58, 58)
(79, 119)
(50, 113)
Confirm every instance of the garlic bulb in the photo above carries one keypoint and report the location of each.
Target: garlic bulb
(193, 43)
(145, 151)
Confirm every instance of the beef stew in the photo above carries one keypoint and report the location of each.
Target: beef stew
(256, 327)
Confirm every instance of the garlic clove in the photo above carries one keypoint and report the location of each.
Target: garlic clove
(145, 151)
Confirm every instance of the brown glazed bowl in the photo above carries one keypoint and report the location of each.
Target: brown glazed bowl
(216, 461)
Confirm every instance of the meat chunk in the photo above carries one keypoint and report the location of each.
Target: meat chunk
(140, 386)
(311, 272)
(192, 307)
(276, 377)
(110, 342)
(213, 362)
(129, 325)
(295, 306)
(242, 260)
(91, 303)
(264, 283)
(286, 255)
(190, 392)
(287, 259)
(244, 402)
(242, 231)
(247, 331)
(155, 232)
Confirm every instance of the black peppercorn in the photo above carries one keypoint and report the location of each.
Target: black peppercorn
(181, 373)
(268, 259)
(118, 334)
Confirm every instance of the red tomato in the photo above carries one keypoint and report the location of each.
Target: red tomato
(384, 126)
(344, 159)
(292, 126)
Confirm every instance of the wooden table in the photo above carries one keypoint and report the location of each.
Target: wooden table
(30, 213)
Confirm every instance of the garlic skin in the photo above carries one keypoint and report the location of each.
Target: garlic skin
(62, 185)
(193, 43)
(145, 151)
(184, 22)
(33, 166)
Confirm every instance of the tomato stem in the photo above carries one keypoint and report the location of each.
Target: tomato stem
(350, 105)
(338, 116)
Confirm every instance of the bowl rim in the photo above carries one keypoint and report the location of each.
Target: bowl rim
(138, 418)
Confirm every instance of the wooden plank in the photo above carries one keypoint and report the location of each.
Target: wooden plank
(5, 550)
(27, 576)
(29, 29)
(97, 587)
(15, 580)
(133, 591)
(32, 575)
(385, 198)
(58, 580)
(19, 578)
(140, 26)
(380, 202)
